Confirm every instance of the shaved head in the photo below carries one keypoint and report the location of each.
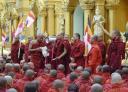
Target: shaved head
(98, 79)
(53, 73)
(96, 88)
(85, 75)
(11, 90)
(58, 84)
(61, 67)
(29, 73)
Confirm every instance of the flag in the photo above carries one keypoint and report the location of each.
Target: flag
(30, 19)
(20, 28)
(4, 36)
(88, 34)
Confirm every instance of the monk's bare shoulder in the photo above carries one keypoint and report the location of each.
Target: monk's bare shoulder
(33, 42)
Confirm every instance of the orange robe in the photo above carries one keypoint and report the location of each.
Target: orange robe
(94, 58)
(60, 74)
(117, 88)
(77, 52)
(20, 84)
(45, 85)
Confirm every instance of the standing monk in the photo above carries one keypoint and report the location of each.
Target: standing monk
(36, 53)
(27, 53)
(102, 46)
(116, 50)
(67, 56)
(60, 51)
(17, 50)
(77, 50)
(94, 57)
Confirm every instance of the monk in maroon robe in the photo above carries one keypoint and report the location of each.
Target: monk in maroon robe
(60, 51)
(67, 56)
(36, 53)
(46, 85)
(77, 51)
(17, 50)
(3, 84)
(102, 47)
(27, 53)
(116, 51)
(29, 76)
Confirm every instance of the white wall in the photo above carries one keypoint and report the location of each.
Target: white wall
(78, 21)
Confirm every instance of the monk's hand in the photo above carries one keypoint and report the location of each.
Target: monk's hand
(57, 58)
(72, 59)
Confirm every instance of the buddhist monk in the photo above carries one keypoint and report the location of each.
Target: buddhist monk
(60, 51)
(60, 71)
(3, 84)
(67, 56)
(45, 85)
(115, 51)
(125, 76)
(70, 84)
(17, 70)
(17, 50)
(105, 73)
(94, 57)
(116, 83)
(30, 87)
(11, 90)
(96, 88)
(8, 68)
(57, 86)
(84, 82)
(20, 84)
(36, 52)
(102, 47)
(27, 53)
(9, 81)
(77, 50)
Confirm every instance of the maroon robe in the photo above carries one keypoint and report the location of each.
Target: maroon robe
(67, 56)
(50, 50)
(14, 52)
(58, 49)
(27, 53)
(102, 47)
(37, 57)
(77, 52)
(116, 52)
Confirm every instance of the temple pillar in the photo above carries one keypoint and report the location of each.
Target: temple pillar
(112, 9)
(88, 7)
(42, 21)
(51, 20)
(100, 5)
(69, 21)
